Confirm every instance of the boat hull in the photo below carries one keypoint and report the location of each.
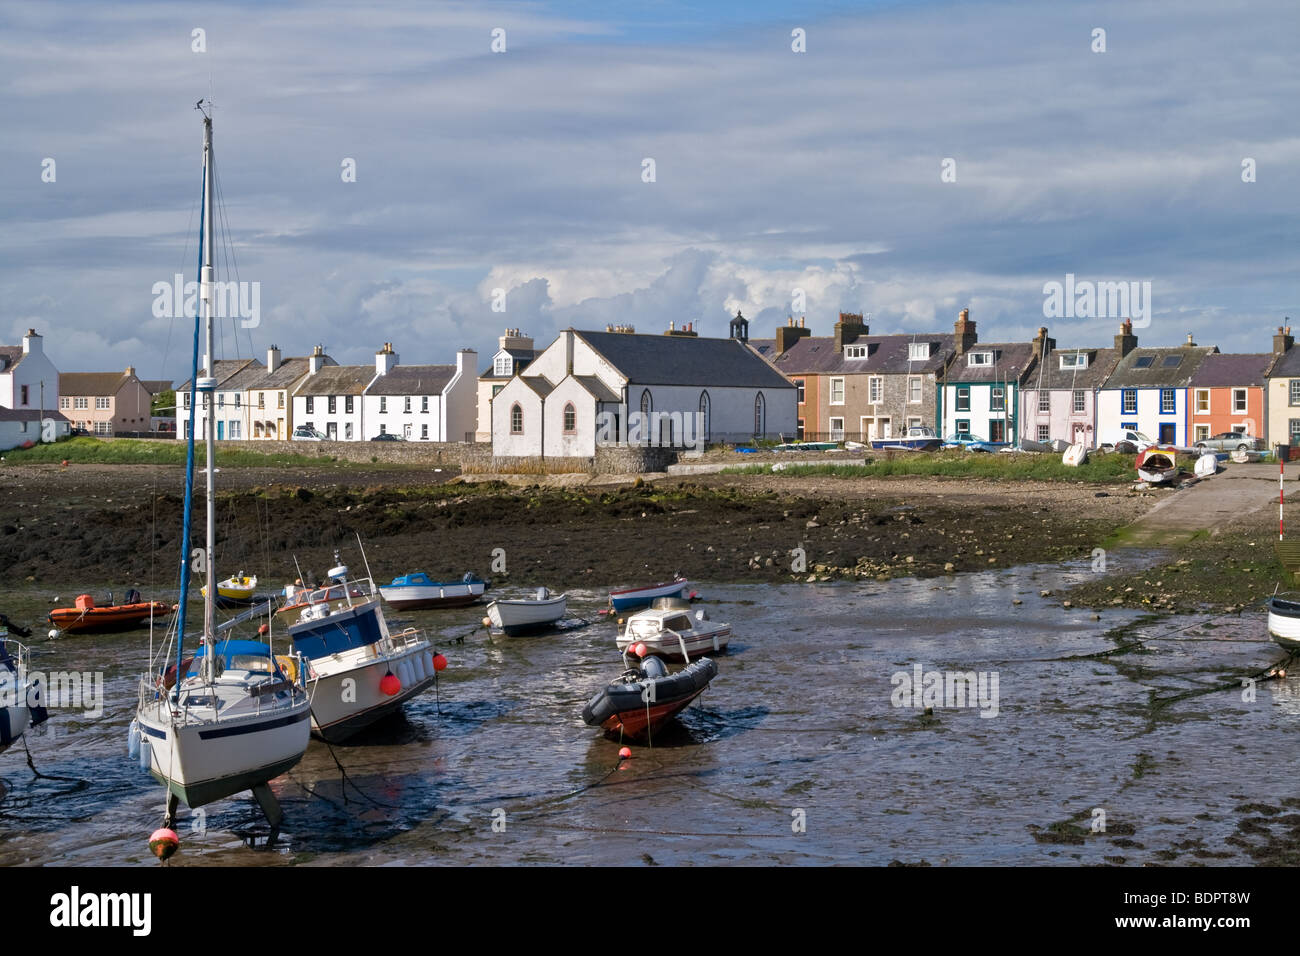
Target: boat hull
(104, 620)
(1284, 623)
(516, 618)
(712, 641)
(637, 709)
(907, 444)
(420, 596)
(632, 598)
(14, 721)
(339, 711)
(642, 722)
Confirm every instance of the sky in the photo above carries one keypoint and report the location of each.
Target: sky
(914, 159)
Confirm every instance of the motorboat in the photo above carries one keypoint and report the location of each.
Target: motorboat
(1075, 455)
(670, 629)
(412, 592)
(1158, 465)
(629, 599)
(646, 697)
(916, 438)
(89, 618)
(21, 705)
(235, 591)
(1284, 619)
(528, 615)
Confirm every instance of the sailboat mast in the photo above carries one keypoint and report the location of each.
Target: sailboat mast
(206, 293)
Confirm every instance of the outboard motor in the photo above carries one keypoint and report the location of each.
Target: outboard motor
(652, 668)
(132, 597)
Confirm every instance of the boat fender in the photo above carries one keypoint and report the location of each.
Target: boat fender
(432, 666)
(288, 666)
(133, 740)
(146, 746)
(417, 667)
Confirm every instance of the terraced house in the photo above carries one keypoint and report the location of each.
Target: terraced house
(1283, 394)
(108, 403)
(981, 386)
(1148, 392)
(1059, 398)
(1228, 393)
(857, 386)
(421, 402)
(268, 397)
(232, 377)
(329, 401)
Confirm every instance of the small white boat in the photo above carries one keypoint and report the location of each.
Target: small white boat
(1206, 465)
(529, 615)
(1284, 619)
(411, 592)
(672, 630)
(1157, 465)
(1243, 455)
(629, 599)
(20, 695)
(1075, 455)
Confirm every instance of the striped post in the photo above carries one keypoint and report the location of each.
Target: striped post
(1281, 493)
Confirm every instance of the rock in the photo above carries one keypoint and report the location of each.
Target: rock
(1044, 593)
(811, 578)
(1067, 604)
(812, 524)
(910, 559)
(949, 566)
(1096, 617)
(768, 563)
(1017, 601)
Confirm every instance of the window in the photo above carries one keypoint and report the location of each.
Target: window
(918, 351)
(1202, 400)
(998, 400)
(23, 391)
(187, 430)
(232, 428)
(237, 398)
(383, 403)
(501, 366)
(424, 403)
(1172, 361)
(185, 396)
(798, 391)
(1144, 361)
(332, 431)
(407, 406)
(347, 404)
(424, 432)
(1044, 432)
(347, 431)
(914, 390)
(1130, 401)
(997, 430)
(837, 391)
(257, 429)
(1168, 401)
(1076, 361)
(760, 415)
(516, 419)
(799, 434)
(103, 428)
(332, 405)
(1238, 399)
(570, 419)
(221, 400)
(1044, 400)
(855, 351)
(705, 415)
(1080, 400)
(495, 389)
(979, 358)
(647, 406)
(875, 388)
(65, 402)
(1201, 432)
(963, 426)
(837, 429)
(101, 402)
(383, 429)
(1295, 431)
(279, 400)
(83, 402)
(963, 398)
(913, 423)
(1294, 391)
(311, 405)
(261, 399)
(1129, 426)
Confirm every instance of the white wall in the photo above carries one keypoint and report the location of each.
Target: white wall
(528, 443)
(34, 368)
(320, 418)
(1149, 418)
(398, 421)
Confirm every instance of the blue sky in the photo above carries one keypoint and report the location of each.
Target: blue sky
(522, 170)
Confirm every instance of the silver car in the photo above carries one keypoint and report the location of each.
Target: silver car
(1229, 441)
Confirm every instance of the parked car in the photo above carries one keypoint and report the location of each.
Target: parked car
(969, 442)
(303, 433)
(1126, 440)
(387, 436)
(1230, 441)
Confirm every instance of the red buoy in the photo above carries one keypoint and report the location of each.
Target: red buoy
(263, 630)
(639, 649)
(390, 685)
(439, 662)
(625, 753)
(163, 843)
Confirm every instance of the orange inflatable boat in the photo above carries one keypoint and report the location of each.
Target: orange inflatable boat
(86, 618)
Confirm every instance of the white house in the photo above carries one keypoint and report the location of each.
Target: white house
(232, 376)
(617, 387)
(331, 401)
(514, 352)
(18, 426)
(28, 379)
(421, 402)
(1148, 392)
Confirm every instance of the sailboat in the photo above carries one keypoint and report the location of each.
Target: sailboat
(20, 693)
(229, 718)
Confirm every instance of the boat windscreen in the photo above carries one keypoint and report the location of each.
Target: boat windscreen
(334, 636)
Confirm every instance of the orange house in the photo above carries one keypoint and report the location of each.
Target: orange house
(1227, 395)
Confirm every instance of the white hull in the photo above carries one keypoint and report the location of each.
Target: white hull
(1075, 455)
(711, 641)
(15, 719)
(1284, 629)
(415, 596)
(345, 694)
(1206, 465)
(524, 615)
(1154, 477)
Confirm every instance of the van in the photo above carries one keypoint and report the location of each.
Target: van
(1131, 436)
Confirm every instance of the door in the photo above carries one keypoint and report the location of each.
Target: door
(1080, 433)
(332, 431)
(997, 430)
(885, 431)
(1168, 433)
(866, 427)
(221, 430)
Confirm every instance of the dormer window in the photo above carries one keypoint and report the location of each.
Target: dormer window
(855, 351)
(980, 358)
(918, 351)
(1144, 361)
(502, 366)
(1076, 361)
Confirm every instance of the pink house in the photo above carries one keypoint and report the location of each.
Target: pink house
(1059, 401)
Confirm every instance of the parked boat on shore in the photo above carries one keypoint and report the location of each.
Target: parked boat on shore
(412, 592)
(20, 694)
(916, 438)
(646, 697)
(629, 599)
(1284, 619)
(1158, 465)
(1075, 455)
(88, 618)
(527, 615)
(670, 629)
(235, 591)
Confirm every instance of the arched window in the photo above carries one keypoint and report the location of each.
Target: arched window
(760, 421)
(703, 421)
(647, 406)
(570, 418)
(516, 419)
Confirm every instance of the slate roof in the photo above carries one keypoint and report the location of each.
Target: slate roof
(538, 384)
(413, 380)
(1010, 361)
(90, 383)
(684, 360)
(601, 391)
(338, 380)
(28, 415)
(1157, 374)
(10, 356)
(1101, 363)
(1286, 365)
(888, 354)
(1233, 370)
(286, 373)
(225, 369)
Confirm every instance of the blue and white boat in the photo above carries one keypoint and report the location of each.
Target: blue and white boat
(916, 438)
(628, 599)
(20, 695)
(411, 592)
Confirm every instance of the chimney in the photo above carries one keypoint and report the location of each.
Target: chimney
(130, 370)
(686, 330)
(272, 358)
(1283, 340)
(32, 342)
(568, 350)
(848, 329)
(1126, 341)
(1190, 343)
(385, 359)
(1042, 344)
(788, 334)
(316, 360)
(964, 334)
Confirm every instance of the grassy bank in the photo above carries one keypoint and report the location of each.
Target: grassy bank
(126, 451)
(1108, 469)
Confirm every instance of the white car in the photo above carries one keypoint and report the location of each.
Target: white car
(1129, 436)
(303, 433)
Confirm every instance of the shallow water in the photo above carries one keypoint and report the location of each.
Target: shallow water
(798, 726)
